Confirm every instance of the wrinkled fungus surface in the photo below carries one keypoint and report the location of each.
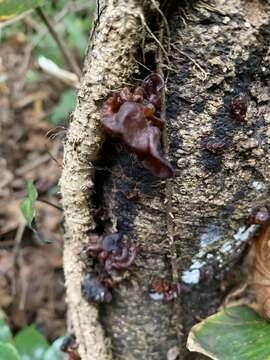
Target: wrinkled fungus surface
(131, 116)
(113, 255)
(261, 216)
(164, 290)
(239, 106)
(70, 347)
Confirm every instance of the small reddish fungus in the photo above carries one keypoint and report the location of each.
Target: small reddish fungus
(239, 106)
(94, 291)
(131, 117)
(164, 290)
(215, 147)
(260, 217)
(133, 195)
(70, 347)
(153, 86)
(114, 254)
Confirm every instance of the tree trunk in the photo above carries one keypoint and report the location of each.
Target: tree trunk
(194, 226)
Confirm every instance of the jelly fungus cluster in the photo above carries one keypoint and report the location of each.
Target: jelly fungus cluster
(131, 116)
(113, 255)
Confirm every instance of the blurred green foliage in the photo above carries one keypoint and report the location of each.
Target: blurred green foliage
(28, 203)
(11, 8)
(237, 333)
(64, 107)
(73, 28)
(72, 20)
(28, 344)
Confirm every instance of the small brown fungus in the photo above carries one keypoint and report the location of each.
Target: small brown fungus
(164, 290)
(113, 255)
(116, 252)
(133, 195)
(131, 117)
(239, 106)
(153, 85)
(94, 291)
(261, 216)
(70, 347)
(215, 147)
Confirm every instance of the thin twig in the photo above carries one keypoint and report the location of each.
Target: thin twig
(51, 204)
(205, 74)
(16, 248)
(168, 193)
(165, 22)
(155, 38)
(166, 146)
(70, 8)
(14, 20)
(67, 55)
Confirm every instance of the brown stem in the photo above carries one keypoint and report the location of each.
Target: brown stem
(168, 192)
(67, 55)
(108, 64)
(51, 204)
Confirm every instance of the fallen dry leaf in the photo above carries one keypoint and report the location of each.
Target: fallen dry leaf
(261, 275)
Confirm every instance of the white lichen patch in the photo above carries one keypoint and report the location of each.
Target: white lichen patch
(212, 234)
(197, 265)
(211, 240)
(245, 233)
(257, 185)
(191, 277)
(225, 248)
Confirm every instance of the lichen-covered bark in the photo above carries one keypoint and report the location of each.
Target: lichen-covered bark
(110, 62)
(216, 54)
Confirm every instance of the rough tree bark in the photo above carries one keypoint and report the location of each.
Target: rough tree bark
(216, 53)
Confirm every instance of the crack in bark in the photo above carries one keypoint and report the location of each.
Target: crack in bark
(168, 193)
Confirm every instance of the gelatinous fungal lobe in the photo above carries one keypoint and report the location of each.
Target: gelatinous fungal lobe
(239, 106)
(113, 255)
(164, 290)
(152, 86)
(94, 291)
(70, 347)
(131, 117)
(260, 217)
(215, 147)
(116, 252)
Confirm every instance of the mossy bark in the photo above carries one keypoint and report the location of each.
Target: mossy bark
(217, 52)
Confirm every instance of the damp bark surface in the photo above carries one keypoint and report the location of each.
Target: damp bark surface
(216, 54)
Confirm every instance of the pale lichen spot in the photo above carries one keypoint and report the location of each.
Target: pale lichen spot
(245, 233)
(197, 265)
(257, 185)
(213, 234)
(191, 277)
(225, 248)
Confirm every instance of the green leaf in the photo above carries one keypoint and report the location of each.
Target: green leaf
(31, 190)
(12, 8)
(28, 210)
(5, 333)
(54, 352)
(77, 36)
(30, 344)
(65, 106)
(8, 352)
(32, 76)
(28, 204)
(237, 334)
